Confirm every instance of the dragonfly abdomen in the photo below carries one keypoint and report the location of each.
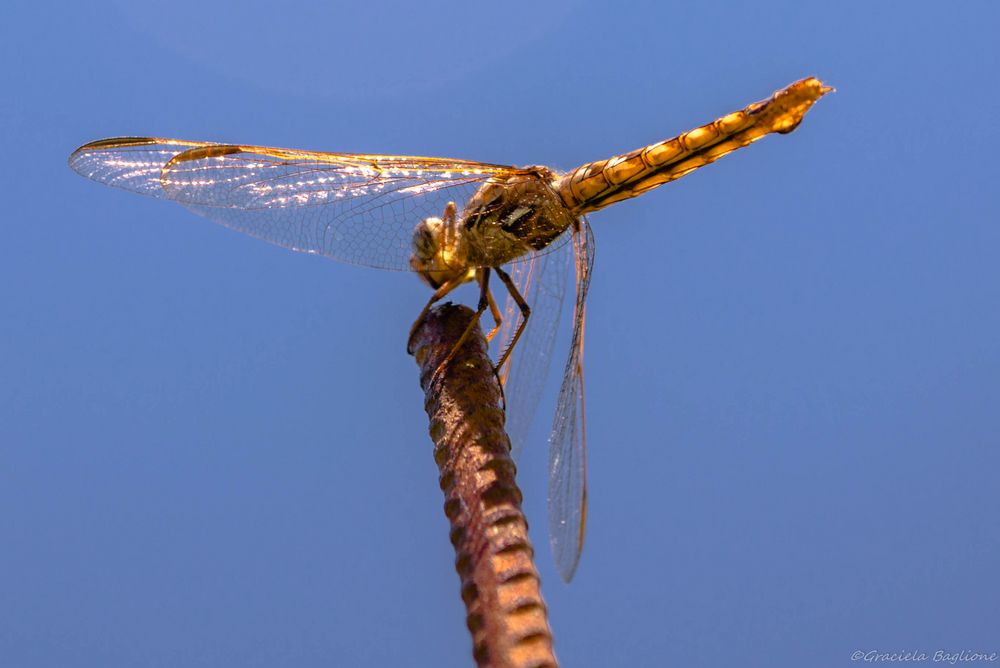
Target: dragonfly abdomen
(595, 185)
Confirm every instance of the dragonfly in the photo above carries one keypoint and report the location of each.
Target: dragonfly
(451, 222)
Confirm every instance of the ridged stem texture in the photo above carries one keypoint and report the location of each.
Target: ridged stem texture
(493, 556)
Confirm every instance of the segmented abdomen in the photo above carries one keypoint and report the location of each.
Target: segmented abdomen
(597, 184)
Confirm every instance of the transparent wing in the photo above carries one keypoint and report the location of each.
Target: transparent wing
(130, 163)
(355, 208)
(568, 442)
(542, 282)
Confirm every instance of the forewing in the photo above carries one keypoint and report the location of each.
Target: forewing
(352, 207)
(541, 280)
(130, 163)
(568, 442)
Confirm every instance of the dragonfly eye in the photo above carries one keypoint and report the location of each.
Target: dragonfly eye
(426, 236)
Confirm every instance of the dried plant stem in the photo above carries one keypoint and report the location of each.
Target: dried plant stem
(493, 555)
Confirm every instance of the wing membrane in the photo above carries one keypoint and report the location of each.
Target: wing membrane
(542, 282)
(568, 442)
(131, 163)
(357, 208)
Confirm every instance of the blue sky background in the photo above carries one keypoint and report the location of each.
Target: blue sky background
(213, 451)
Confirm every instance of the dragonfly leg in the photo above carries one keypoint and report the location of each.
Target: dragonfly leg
(525, 314)
(450, 212)
(438, 295)
(497, 316)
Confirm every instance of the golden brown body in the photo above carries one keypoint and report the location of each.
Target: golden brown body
(510, 216)
(470, 219)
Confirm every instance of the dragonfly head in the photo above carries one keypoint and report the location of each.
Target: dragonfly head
(437, 255)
